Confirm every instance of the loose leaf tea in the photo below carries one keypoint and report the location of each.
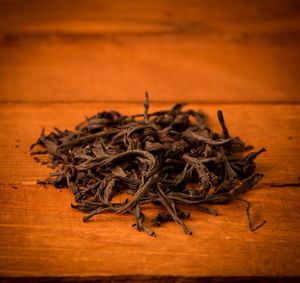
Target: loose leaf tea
(169, 158)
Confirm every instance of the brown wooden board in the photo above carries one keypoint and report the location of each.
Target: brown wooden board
(41, 235)
(115, 50)
(63, 60)
(275, 127)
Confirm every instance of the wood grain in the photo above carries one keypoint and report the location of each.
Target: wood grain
(63, 60)
(48, 238)
(42, 236)
(279, 134)
(115, 50)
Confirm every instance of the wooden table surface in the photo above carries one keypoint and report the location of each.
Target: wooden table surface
(63, 60)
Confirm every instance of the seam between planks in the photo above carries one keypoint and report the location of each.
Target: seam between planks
(138, 102)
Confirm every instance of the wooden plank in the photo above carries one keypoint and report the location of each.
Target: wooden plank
(275, 127)
(62, 60)
(115, 50)
(42, 236)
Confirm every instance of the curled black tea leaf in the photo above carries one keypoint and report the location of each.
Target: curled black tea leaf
(169, 158)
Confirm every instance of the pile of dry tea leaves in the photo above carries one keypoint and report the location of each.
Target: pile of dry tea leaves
(169, 158)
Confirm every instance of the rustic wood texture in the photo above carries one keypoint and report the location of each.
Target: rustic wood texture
(278, 133)
(114, 50)
(63, 60)
(42, 236)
